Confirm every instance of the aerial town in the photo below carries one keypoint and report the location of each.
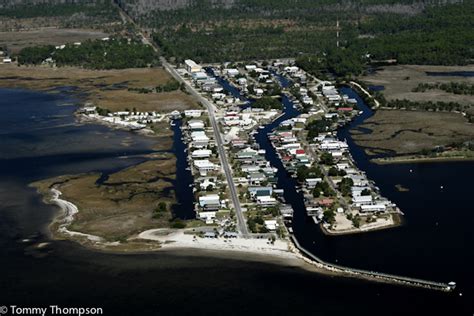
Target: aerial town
(235, 185)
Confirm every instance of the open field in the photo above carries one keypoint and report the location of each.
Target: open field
(46, 36)
(400, 80)
(406, 132)
(122, 205)
(104, 88)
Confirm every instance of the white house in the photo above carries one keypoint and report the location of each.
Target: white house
(192, 113)
(271, 224)
(250, 67)
(266, 201)
(373, 208)
(311, 182)
(209, 216)
(211, 201)
(204, 166)
(362, 200)
(232, 72)
(258, 92)
(196, 124)
(201, 153)
(199, 139)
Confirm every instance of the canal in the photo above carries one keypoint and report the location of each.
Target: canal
(431, 243)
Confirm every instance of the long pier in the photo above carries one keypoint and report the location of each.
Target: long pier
(377, 276)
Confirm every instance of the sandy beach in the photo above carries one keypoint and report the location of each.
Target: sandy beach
(176, 239)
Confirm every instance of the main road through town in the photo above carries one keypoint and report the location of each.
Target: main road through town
(241, 223)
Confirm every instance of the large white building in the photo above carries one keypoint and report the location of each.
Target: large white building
(191, 66)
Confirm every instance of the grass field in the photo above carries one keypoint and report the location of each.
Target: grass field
(400, 80)
(46, 36)
(104, 88)
(124, 204)
(406, 132)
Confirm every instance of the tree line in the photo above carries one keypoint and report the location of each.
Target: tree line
(451, 87)
(116, 53)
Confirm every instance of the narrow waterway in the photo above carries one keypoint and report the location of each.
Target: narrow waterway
(184, 181)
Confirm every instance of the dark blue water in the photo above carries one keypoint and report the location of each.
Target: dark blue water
(376, 88)
(450, 73)
(184, 178)
(434, 242)
(39, 139)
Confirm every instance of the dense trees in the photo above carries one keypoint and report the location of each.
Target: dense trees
(96, 54)
(426, 106)
(317, 126)
(440, 35)
(267, 103)
(58, 13)
(452, 87)
(35, 55)
(263, 29)
(303, 173)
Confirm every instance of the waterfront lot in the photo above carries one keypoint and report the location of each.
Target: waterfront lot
(404, 132)
(401, 79)
(104, 88)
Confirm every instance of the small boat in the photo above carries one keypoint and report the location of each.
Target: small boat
(173, 123)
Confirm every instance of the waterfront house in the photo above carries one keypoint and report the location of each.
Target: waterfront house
(373, 208)
(210, 202)
(196, 125)
(359, 180)
(260, 191)
(266, 201)
(357, 190)
(201, 153)
(204, 166)
(199, 139)
(362, 200)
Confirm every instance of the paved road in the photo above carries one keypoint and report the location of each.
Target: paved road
(241, 223)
